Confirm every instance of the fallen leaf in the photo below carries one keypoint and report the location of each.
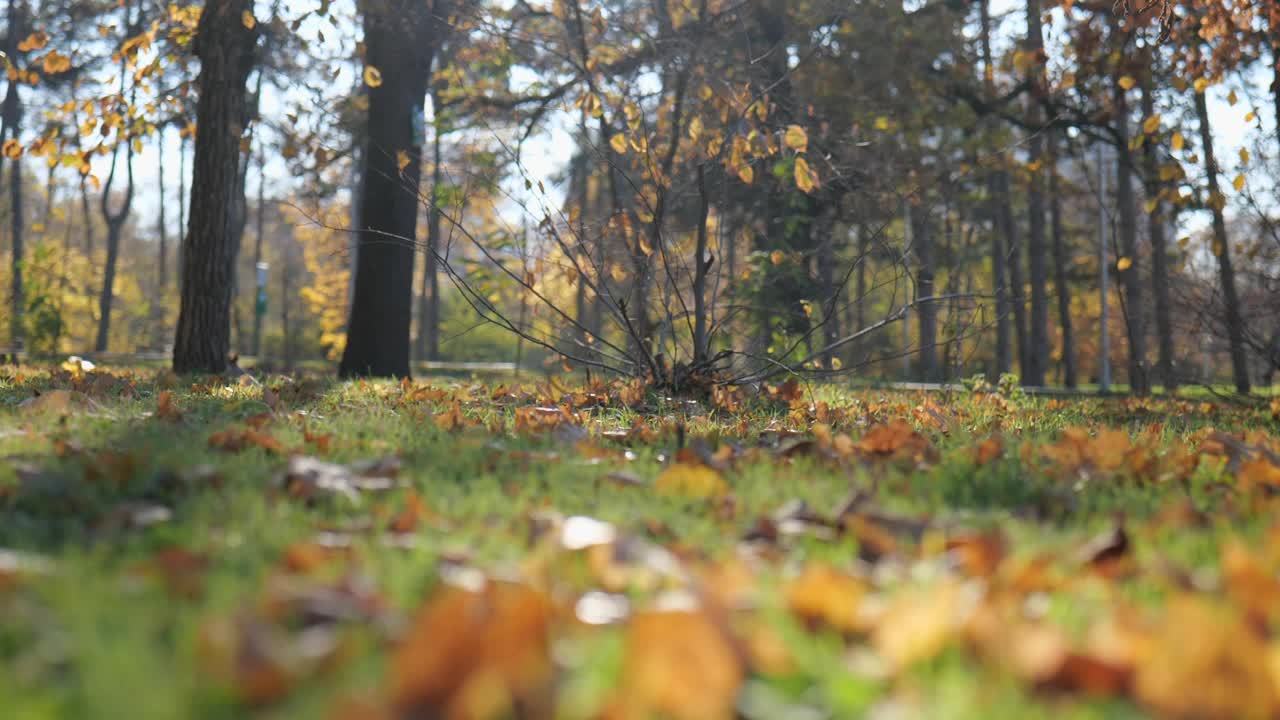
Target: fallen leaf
(692, 480)
(678, 665)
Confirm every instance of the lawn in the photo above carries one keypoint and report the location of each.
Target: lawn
(448, 548)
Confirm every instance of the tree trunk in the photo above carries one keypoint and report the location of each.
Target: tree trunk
(1274, 22)
(286, 290)
(429, 315)
(702, 264)
(162, 255)
(16, 229)
(1222, 250)
(89, 240)
(1159, 247)
(115, 221)
(400, 41)
(860, 290)
(1017, 294)
(922, 237)
(1131, 277)
(226, 51)
(259, 289)
(11, 115)
(182, 205)
(1037, 352)
(1062, 287)
(1002, 214)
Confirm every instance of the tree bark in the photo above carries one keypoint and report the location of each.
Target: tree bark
(922, 237)
(1002, 238)
(16, 230)
(1222, 250)
(1017, 293)
(860, 291)
(1060, 261)
(11, 115)
(162, 253)
(1134, 305)
(258, 315)
(182, 205)
(226, 51)
(1037, 352)
(400, 41)
(115, 230)
(429, 308)
(1159, 248)
(702, 264)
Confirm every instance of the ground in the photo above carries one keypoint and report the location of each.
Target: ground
(483, 549)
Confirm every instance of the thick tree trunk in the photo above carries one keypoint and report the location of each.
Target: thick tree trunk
(399, 41)
(1037, 352)
(1156, 222)
(1222, 250)
(1060, 263)
(1134, 305)
(226, 51)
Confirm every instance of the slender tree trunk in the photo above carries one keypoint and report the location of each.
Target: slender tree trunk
(1060, 264)
(579, 181)
(182, 205)
(16, 230)
(1156, 223)
(89, 236)
(400, 39)
(259, 303)
(50, 185)
(1037, 352)
(286, 290)
(162, 254)
(226, 51)
(923, 242)
(1002, 238)
(115, 221)
(828, 292)
(1017, 295)
(429, 311)
(860, 289)
(11, 114)
(702, 264)
(1131, 277)
(1222, 250)
(1274, 22)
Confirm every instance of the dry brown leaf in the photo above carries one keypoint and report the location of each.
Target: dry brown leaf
(678, 665)
(822, 595)
(477, 654)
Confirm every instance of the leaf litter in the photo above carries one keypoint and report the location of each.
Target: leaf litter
(700, 632)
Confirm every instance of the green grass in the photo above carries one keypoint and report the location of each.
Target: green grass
(100, 633)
